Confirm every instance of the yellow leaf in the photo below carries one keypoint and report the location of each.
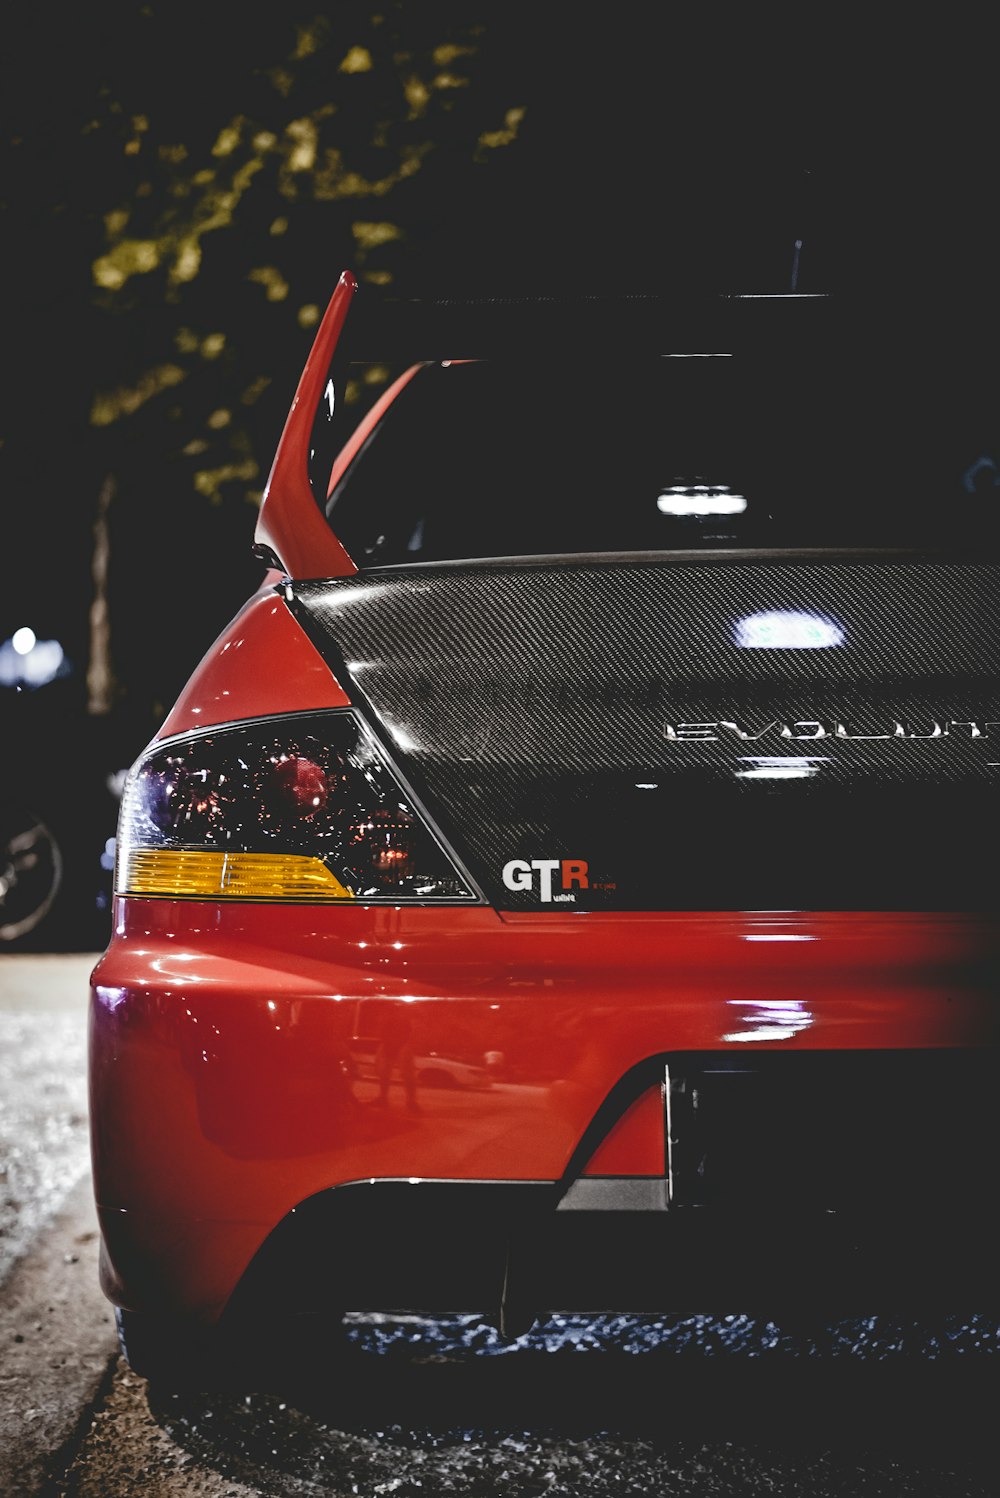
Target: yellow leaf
(110, 405)
(228, 140)
(358, 60)
(368, 235)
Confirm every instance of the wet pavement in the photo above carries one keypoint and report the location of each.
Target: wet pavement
(393, 1413)
(44, 1148)
(407, 1405)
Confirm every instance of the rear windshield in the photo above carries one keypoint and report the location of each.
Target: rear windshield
(482, 460)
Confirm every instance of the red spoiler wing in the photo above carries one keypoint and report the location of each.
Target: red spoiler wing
(291, 525)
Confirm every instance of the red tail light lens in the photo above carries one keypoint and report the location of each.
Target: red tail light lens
(303, 784)
(297, 808)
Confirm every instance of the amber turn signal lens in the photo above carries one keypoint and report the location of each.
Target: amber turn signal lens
(190, 874)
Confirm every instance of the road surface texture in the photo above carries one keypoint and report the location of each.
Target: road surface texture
(417, 1406)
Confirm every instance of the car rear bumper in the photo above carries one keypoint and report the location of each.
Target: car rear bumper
(247, 1059)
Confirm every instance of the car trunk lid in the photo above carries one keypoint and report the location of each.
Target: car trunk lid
(701, 731)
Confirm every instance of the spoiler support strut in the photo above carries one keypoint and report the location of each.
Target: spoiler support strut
(291, 526)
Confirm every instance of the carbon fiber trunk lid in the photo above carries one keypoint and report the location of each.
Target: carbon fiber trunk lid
(773, 731)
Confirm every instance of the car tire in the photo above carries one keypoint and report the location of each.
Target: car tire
(31, 869)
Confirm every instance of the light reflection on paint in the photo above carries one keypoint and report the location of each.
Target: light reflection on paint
(769, 1019)
(111, 998)
(779, 936)
(787, 629)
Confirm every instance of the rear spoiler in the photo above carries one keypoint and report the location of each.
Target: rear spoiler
(292, 531)
(884, 324)
(385, 328)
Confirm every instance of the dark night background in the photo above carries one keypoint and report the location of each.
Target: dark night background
(182, 184)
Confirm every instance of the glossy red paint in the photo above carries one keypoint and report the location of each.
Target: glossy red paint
(245, 1057)
(290, 522)
(261, 664)
(637, 1144)
(366, 426)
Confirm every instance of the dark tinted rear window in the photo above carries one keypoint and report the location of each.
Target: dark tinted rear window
(493, 460)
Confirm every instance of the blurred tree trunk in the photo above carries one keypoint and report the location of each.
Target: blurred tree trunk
(100, 675)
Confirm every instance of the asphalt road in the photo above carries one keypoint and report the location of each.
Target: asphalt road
(410, 1406)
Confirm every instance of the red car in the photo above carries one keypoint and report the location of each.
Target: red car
(569, 881)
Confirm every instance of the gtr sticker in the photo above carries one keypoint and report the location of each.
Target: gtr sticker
(519, 876)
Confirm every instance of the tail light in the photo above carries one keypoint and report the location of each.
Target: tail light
(295, 808)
